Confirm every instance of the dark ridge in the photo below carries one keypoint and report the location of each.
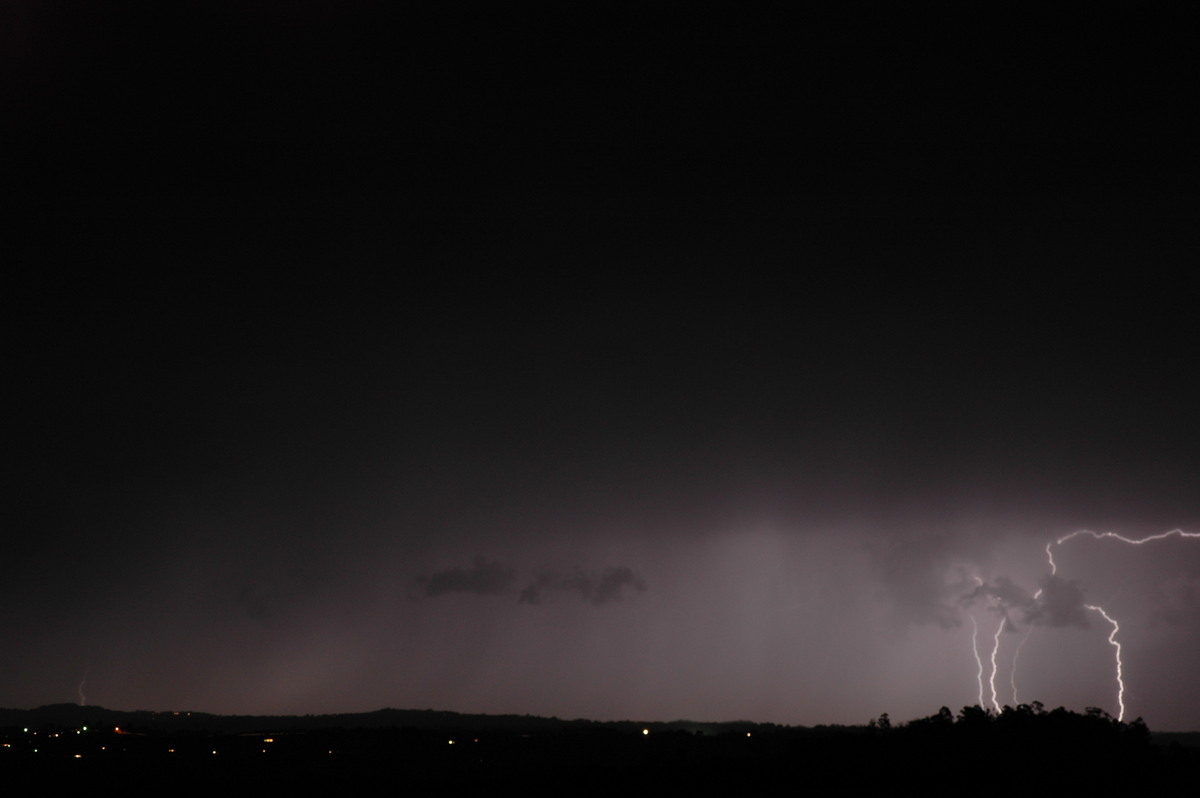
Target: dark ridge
(1026, 748)
(71, 716)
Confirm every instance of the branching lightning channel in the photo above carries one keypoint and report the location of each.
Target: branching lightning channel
(1112, 637)
(1044, 607)
(979, 660)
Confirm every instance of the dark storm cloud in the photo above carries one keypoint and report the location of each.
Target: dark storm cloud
(1006, 594)
(490, 578)
(1009, 593)
(1060, 603)
(595, 590)
(483, 578)
(610, 584)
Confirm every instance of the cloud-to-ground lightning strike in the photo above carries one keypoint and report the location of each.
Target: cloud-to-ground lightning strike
(978, 661)
(1112, 637)
(995, 649)
(999, 600)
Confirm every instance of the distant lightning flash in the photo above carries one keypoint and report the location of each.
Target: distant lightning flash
(1012, 674)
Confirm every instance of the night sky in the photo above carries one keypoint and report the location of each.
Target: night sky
(712, 363)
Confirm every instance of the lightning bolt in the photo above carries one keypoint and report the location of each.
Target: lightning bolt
(996, 601)
(1112, 636)
(996, 648)
(978, 661)
(1112, 639)
(1123, 539)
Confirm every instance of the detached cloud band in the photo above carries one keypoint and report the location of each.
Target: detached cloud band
(490, 578)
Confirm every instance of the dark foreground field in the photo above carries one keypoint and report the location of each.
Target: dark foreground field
(1022, 751)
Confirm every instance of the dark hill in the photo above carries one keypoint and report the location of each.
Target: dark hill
(1027, 749)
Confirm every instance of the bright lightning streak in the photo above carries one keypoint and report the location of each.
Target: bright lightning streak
(1112, 639)
(1053, 566)
(1115, 536)
(996, 600)
(996, 648)
(978, 661)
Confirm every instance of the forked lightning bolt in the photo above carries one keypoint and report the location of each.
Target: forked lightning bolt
(1112, 637)
(979, 660)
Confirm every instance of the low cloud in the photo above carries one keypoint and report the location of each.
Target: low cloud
(596, 590)
(1061, 603)
(483, 578)
(490, 578)
(1002, 595)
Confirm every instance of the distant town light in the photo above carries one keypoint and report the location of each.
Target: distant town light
(645, 731)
